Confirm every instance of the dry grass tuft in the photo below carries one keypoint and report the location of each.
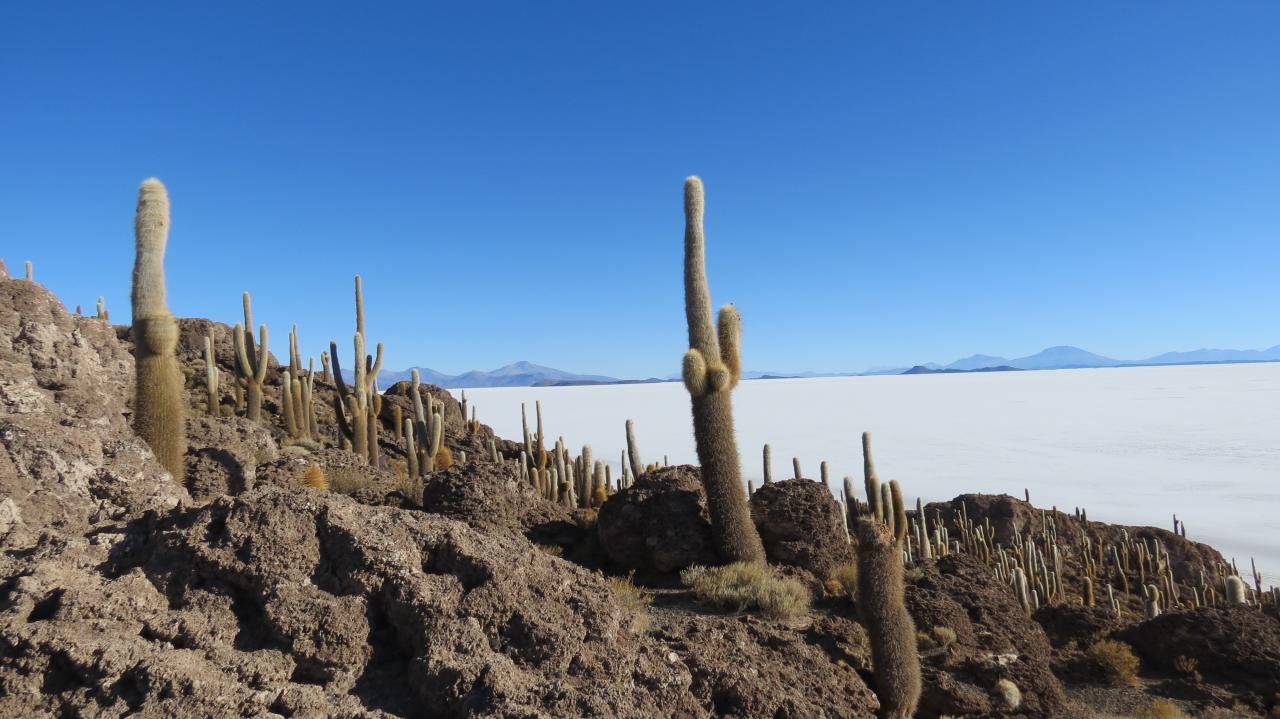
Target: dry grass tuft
(846, 575)
(444, 458)
(1185, 665)
(554, 550)
(1161, 709)
(748, 586)
(313, 477)
(1116, 660)
(345, 480)
(634, 600)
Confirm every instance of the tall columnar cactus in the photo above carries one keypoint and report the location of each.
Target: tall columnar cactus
(880, 602)
(361, 400)
(159, 402)
(633, 451)
(712, 369)
(102, 310)
(31, 270)
(768, 464)
(211, 374)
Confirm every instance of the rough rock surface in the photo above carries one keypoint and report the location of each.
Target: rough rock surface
(994, 640)
(307, 604)
(659, 524)
(1235, 647)
(800, 524)
(68, 457)
(746, 667)
(492, 498)
(223, 454)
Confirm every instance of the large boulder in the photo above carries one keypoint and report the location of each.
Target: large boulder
(801, 525)
(68, 457)
(1234, 647)
(659, 524)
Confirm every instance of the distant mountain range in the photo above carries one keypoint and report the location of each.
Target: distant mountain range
(527, 374)
(1067, 357)
(517, 374)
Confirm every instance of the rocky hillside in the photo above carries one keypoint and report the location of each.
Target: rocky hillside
(293, 579)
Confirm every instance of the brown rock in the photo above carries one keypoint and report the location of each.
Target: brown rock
(68, 456)
(659, 524)
(801, 525)
(1235, 647)
(994, 640)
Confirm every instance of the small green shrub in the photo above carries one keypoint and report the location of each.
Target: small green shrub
(743, 586)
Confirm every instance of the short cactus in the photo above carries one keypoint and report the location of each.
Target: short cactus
(1237, 590)
(159, 405)
(712, 368)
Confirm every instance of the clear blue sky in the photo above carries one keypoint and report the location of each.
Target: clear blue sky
(888, 183)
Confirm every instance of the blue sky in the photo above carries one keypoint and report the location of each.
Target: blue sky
(888, 183)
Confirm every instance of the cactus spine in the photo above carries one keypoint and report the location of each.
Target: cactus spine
(892, 634)
(159, 402)
(711, 370)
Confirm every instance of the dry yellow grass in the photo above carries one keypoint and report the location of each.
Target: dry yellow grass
(634, 600)
(1116, 660)
(1161, 709)
(444, 458)
(345, 480)
(313, 477)
(554, 550)
(846, 575)
(748, 586)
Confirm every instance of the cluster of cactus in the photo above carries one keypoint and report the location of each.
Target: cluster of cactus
(296, 391)
(159, 404)
(1034, 565)
(251, 363)
(711, 369)
(576, 482)
(880, 534)
(424, 434)
(356, 407)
